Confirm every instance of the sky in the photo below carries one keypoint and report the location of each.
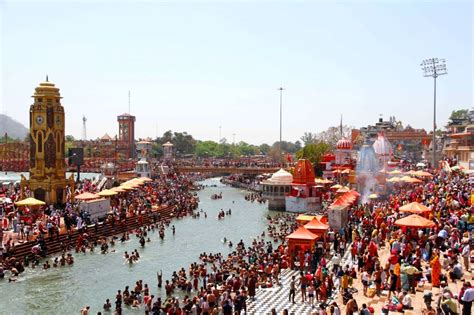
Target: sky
(197, 66)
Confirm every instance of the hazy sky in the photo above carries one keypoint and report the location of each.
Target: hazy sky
(195, 66)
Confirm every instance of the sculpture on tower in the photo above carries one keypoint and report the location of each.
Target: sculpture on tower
(47, 179)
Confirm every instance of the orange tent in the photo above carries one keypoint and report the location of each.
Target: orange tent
(415, 221)
(414, 207)
(302, 219)
(317, 227)
(86, 196)
(300, 241)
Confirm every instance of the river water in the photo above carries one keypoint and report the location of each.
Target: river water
(95, 277)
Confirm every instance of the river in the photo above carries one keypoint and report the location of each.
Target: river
(95, 277)
(9, 177)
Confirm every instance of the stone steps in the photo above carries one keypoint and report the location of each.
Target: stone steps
(105, 229)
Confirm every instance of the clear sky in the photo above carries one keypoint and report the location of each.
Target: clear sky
(195, 66)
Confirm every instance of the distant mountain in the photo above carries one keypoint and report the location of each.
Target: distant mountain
(12, 127)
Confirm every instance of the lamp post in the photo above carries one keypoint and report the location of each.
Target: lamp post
(281, 111)
(434, 67)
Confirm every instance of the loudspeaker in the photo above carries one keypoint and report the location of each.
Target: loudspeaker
(76, 156)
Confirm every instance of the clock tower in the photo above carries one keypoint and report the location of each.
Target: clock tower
(47, 180)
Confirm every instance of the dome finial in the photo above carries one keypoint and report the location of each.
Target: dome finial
(47, 78)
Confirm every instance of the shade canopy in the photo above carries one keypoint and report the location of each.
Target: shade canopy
(414, 207)
(342, 190)
(30, 202)
(422, 174)
(415, 221)
(107, 193)
(373, 196)
(302, 234)
(146, 179)
(127, 187)
(86, 196)
(354, 193)
(118, 189)
(316, 226)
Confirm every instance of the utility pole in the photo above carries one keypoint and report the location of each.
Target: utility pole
(233, 138)
(220, 135)
(281, 111)
(434, 67)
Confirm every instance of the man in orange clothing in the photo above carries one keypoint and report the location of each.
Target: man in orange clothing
(435, 270)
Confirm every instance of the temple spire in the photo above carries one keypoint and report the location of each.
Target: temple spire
(47, 78)
(340, 127)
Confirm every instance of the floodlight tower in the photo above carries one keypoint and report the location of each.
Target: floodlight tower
(281, 112)
(434, 67)
(84, 130)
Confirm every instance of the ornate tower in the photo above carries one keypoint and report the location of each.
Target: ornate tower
(47, 166)
(127, 135)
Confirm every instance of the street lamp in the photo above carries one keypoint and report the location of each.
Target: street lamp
(434, 67)
(281, 110)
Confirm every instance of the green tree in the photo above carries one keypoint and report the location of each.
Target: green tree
(308, 137)
(264, 148)
(69, 138)
(314, 152)
(207, 148)
(459, 114)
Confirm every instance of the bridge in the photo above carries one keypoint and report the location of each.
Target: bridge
(225, 170)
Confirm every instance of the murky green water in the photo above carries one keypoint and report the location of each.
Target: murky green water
(95, 277)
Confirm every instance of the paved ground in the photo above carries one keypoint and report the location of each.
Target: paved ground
(277, 297)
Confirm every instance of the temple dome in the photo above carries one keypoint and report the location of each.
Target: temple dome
(344, 144)
(382, 146)
(282, 176)
(304, 173)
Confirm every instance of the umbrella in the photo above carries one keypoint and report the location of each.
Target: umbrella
(118, 189)
(86, 196)
(422, 174)
(337, 186)
(415, 221)
(146, 179)
(107, 193)
(395, 172)
(413, 180)
(342, 190)
(30, 202)
(373, 196)
(394, 180)
(346, 171)
(420, 164)
(126, 187)
(414, 207)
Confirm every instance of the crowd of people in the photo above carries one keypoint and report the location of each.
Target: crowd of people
(386, 259)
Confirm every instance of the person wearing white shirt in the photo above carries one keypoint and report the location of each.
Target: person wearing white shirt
(466, 253)
(467, 299)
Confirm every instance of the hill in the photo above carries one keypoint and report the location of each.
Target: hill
(14, 129)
